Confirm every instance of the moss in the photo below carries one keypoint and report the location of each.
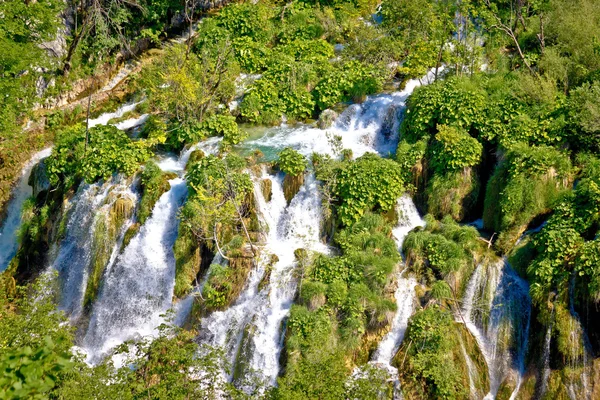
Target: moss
(105, 236)
(431, 362)
(292, 185)
(187, 261)
(225, 283)
(266, 186)
(268, 269)
(453, 194)
(130, 234)
(154, 184)
(196, 156)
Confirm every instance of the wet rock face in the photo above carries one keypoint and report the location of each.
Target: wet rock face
(389, 122)
(38, 179)
(267, 189)
(326, 119)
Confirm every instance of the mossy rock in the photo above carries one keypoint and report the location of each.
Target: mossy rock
(266, 279)
(105, 237)
(266, 186)
(187, 261)
(130, 234)
(453, 194)
(291, 186)
(196, 156)
(225, 283)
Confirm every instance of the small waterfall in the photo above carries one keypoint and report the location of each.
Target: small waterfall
(405, 296)
(138, 288)
(372, 126)
(497, 311)
(89, 207)
(409, 219)
(543, 385)
(10, 227)
(106, 117)
(473, 374)
(250, 330)
(580, 350)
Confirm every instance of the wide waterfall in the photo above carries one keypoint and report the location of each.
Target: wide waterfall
(12, 221)
(497, 310)
(138, 288)
(87, 212)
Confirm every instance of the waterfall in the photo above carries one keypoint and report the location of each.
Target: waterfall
(580, 350)
(409, 219)
(372, 126)
(405, 296)
(106, 117)
(89, 207)
(543, 384)
(9, 229)
(473, 374)
(138, 288)
(497, 311)
(250, 330)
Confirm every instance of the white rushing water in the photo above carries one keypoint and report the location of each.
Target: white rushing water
(409, 219)
(497, 311)
(89, 208)
(12, 222)
(372, 126)
(250, 330)
(106, 117)
(138, 288)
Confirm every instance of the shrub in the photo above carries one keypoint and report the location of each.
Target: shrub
(291, 162)
(368, 183)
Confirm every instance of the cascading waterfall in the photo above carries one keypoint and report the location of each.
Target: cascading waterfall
(405, 294)
(545, 362)
(10, 227)
(138, 287)
(372, 126)
(497, 311)
(250, 331)
(88, 208)
(580, 348)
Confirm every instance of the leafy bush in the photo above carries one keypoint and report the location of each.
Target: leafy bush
(454, 150)
(291, 162)
(109, 151)
(368, 183)
(528, 182)
(431, 362)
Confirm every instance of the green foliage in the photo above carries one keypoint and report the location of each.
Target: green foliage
(430, 361)
(32, 373)
(291, 162)
(369, 183)
(454, 150)
(187, 87)
(109, 150)
(343, 298)
(154, 184)
(527, 183)
(584, 115)
(443, 248)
